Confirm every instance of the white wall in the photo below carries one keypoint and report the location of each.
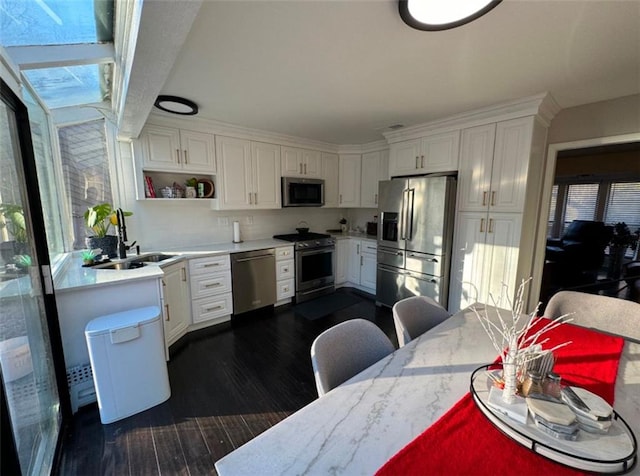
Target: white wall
(599, 119)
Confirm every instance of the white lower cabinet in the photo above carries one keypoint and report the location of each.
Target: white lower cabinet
(285, 275)
(176, 310)
(361, 271)
(342, 261)
(485, 258)
(211, 292)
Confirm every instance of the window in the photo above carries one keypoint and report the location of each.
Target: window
(62, 48)
(86, 171)
(581, 203)
(624, 205)
(50, 192)
(552, 210)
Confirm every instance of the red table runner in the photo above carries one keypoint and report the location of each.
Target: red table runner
(463, 441)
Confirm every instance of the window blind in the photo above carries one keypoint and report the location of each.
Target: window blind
(581, 202)
(624, 204)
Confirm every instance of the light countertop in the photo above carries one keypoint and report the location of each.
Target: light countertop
(74, 277)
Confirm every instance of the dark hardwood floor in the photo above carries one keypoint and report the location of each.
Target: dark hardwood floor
(228, 385)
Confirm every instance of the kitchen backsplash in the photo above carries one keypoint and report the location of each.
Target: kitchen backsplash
(168, 225)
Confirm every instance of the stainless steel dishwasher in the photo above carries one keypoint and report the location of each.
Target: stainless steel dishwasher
(253, 274)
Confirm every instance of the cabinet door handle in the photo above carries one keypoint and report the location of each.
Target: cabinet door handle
(482, 225)
(417, 161)
(255, 198)
(422, 161)
(375, 199)
(357, 249)
(185, 156)
(305, 169)
(178, 155)
(212, 285)
(250, 199)
(361, 260)
(184, 273)
(300, 168)
(493, 198)
(215, 308)
(490, 225)
(209, 265)
(166, 308)
(285, 270)
(340, 198)
(484, 199)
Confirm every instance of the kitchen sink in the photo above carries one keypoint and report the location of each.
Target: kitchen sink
(153, 258)
(121, 265)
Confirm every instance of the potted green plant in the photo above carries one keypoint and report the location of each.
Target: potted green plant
(621, 240)
(190, 190)
(12, 218)
(99, 219)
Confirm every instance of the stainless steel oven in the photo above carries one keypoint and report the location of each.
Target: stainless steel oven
(315, 272)
(315, 260)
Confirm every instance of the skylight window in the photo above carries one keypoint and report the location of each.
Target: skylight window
(64, 48)
(55, 22)
(69, 85)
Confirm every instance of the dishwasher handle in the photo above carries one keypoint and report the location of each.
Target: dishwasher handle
(252, 258)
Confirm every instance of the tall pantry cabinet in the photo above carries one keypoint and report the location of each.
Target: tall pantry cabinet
(499, 188)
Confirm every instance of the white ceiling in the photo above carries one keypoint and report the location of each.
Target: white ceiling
(342, 71)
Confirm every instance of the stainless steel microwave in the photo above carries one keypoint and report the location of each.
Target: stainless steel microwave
(302, 192)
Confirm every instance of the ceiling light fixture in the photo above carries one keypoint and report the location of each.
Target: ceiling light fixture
(435, 15)
(176, 105)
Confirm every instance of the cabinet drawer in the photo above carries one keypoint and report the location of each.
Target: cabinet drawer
(368, 247)
(285, 269)
(212, 307)
(284, 253)
(210, 264)
(285, 289)
(210, 284)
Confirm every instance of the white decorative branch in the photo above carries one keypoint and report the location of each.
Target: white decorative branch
(513, 338)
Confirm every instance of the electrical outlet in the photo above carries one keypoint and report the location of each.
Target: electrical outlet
(223, 221)
(249, 220)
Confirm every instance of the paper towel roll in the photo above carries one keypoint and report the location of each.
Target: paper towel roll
(236, 232)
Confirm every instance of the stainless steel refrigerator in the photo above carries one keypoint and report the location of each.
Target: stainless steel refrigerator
(415, 237)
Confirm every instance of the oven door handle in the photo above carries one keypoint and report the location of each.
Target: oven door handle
(326, 249)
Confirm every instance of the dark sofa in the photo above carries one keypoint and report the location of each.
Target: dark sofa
(577, 256)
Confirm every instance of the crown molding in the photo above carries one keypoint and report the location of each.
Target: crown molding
(212, 126)
(542, 105)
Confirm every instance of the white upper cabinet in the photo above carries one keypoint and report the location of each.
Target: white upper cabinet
(171, 149)
(433, 153)
(330, 172)
(349, 180)
(266, 175)
(249, 174)
(375, 167)
(476, 159)
(494, 162)
(301, 163)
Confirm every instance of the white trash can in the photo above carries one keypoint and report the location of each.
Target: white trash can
(126, 350)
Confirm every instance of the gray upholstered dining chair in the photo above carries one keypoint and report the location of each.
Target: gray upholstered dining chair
(345, 350)
(415, 315)
(608, 314)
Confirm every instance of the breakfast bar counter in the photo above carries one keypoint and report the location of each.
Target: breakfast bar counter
(357, 427)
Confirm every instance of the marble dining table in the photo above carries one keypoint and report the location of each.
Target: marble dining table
(358, 426)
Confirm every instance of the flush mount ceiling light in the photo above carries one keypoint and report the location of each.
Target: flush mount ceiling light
(176, 105)
(434, 15)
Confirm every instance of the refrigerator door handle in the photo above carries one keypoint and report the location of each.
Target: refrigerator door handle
(411, 192)
(391, 269)
(403, 216)
(394, 253)
(431, 260)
